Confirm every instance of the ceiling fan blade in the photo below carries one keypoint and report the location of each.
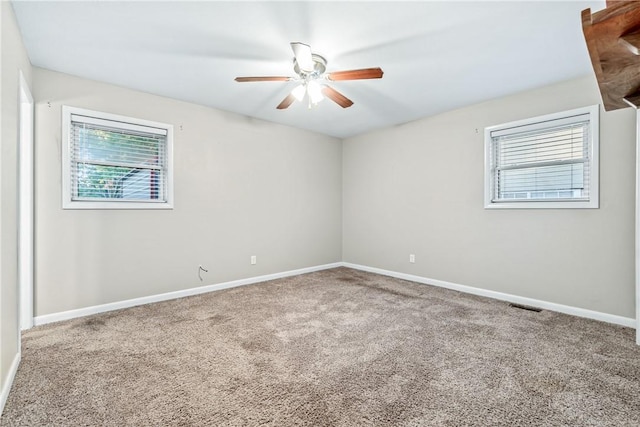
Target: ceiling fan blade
(365, 73)
(263, 79)
(302, 52)
(286, 102)
(336, 96)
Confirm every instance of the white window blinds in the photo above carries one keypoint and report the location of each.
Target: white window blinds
(117, 161)
(548, 160)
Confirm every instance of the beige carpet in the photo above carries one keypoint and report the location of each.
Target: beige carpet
(334, 348)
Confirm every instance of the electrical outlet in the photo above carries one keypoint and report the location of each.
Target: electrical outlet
(412, 258)
(254, 260)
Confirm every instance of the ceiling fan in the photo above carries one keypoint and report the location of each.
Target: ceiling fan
(310, 71)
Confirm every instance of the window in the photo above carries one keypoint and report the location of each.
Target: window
(115, 162)
(544, 162)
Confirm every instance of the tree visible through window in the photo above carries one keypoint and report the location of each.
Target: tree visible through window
(113, 160)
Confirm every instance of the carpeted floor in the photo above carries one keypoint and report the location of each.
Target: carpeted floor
(334, 348)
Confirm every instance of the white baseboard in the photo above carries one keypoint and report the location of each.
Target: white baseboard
(566, 309)
(574, 311)
(86, 311)
(6, 388)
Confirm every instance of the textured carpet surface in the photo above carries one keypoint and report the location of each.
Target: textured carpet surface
(334, 348)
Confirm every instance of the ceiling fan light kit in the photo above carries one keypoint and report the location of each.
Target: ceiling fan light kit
(299, 92)
(309, 68)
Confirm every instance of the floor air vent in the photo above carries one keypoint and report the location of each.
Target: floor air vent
(525, 307)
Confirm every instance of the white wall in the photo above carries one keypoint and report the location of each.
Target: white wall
(242, 187)
(418, 188)
(13, 58)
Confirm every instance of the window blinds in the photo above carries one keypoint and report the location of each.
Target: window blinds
(113, 160)
(541, 161)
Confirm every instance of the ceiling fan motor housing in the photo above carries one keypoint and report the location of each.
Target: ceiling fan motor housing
(319, 67)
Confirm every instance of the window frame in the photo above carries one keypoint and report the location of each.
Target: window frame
(127, 122)
(594, 153)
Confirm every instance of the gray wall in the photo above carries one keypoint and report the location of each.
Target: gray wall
(13, 58)
(418, 188)
(242, 187)
(245, 187)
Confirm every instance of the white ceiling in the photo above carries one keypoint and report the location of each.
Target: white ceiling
(436, 56)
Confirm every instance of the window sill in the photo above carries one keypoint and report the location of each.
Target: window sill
(592, 204)
(116, 205)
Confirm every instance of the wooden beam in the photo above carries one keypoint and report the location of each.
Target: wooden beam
(614, 8)
(631, 42)
(616, 67)
(592, 46)
(633, 100)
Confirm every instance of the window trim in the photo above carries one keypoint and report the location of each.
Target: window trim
(594, 154)
(127, 123)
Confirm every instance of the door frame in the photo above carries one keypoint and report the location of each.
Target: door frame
(637, 228)
(25, 203)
